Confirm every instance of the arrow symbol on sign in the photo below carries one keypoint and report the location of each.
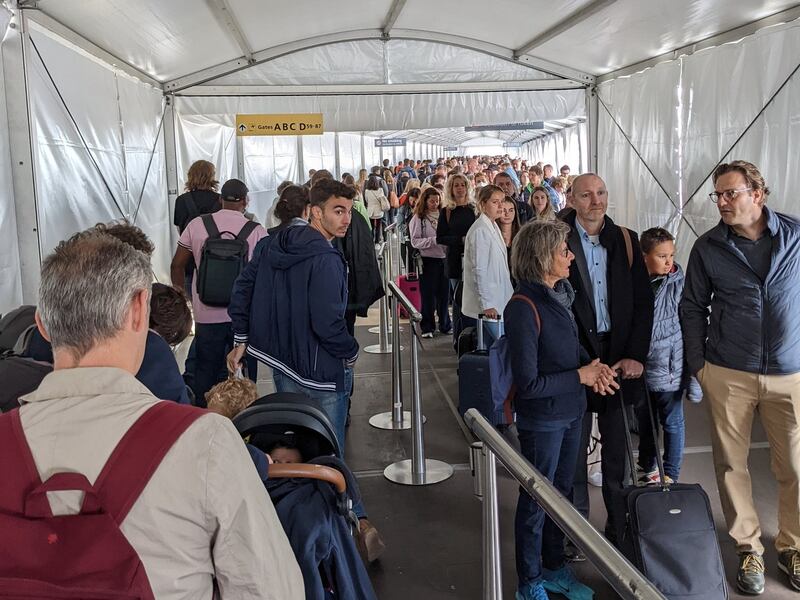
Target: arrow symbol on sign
(242, 127)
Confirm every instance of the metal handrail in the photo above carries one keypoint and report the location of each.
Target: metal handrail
(626, 580)
(413, 313)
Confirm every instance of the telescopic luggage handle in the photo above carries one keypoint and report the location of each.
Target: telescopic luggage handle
(654, 432)
(482, 318)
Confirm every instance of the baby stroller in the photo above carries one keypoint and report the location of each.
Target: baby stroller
(313, 499)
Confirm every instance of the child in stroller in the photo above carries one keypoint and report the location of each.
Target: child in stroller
(313, 500)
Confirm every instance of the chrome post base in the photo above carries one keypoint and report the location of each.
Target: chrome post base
(435, 471)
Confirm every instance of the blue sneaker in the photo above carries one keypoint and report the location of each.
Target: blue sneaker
(532, 591)
(563, 581)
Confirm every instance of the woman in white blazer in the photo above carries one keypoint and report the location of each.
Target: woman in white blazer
(487, 282)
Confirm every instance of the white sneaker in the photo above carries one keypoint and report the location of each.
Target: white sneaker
(428, 335)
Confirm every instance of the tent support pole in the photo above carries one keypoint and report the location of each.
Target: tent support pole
(301, 169)
(337, 164)
(591, 127)
(15, 67)
(240, 157)
(171, 162)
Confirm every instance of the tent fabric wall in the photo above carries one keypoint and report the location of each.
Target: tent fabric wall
(10, 279)
(684, 115)
(647, 110)
(371, 153)
(121, 127)
(268, 161)
(567, 146)
(350, 153)
(319, 152)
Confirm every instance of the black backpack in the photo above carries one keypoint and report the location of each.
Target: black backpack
(20, 376)
(221, 261)
(14, 324)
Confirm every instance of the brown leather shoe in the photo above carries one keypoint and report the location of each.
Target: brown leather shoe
(368, 541)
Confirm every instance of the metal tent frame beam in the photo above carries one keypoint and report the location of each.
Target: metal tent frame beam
(48, 25)
(391, 17)
(224, 14)
(382, 88)
(564, 25)
(263, 56)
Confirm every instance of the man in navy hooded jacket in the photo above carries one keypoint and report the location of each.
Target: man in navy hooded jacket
(287, 307)
(287, 310)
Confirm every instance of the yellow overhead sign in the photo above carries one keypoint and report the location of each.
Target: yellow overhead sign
(303, 124)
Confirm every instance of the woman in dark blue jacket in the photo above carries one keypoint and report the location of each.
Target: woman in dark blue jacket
(546, 363)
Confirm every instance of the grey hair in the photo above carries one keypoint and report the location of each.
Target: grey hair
(510, 178)
(86, 289)
(534, 247)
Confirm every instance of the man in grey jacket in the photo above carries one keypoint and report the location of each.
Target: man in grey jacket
(745, 274)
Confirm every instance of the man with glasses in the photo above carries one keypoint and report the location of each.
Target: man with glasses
(745, 274)
(613, 309)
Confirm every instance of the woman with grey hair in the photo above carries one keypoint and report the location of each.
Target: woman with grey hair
(550, 370)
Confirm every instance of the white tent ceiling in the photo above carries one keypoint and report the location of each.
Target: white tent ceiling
(456, 136)
(170, 40)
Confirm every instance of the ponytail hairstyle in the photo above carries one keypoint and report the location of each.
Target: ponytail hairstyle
(292, 203)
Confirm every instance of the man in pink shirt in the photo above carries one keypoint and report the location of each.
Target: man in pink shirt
(213, 336)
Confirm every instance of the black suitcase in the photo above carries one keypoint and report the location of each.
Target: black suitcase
(670, 534)
(467, 341)
(474, 381)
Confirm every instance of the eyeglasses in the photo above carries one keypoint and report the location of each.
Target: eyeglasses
(729, 195)
(565, 252)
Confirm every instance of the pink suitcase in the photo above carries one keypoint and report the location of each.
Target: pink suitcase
(409, 285)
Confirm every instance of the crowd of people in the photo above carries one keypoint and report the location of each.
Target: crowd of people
(590, 308)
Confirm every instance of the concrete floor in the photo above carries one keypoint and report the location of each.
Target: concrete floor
(433, 533)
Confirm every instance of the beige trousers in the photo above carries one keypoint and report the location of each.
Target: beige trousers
(732, 398)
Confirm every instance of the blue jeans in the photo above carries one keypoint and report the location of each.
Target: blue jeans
(332, 402)
(668, 409)
(552, 447)
(212, 342)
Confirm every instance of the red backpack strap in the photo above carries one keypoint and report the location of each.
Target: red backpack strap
(18, 470)
(533, 308)
(138, 454)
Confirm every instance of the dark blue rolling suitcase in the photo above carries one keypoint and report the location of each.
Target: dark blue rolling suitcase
(670, 534)
(474, 380)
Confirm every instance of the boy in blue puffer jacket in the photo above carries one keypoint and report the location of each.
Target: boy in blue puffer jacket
(666, 375)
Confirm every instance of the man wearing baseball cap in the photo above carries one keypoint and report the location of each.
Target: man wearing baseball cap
(213, 336)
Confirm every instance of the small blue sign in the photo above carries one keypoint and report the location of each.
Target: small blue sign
(386, 142)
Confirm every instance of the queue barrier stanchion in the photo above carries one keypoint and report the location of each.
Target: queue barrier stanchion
(383, 346)
(418, 470)
(396, 418)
